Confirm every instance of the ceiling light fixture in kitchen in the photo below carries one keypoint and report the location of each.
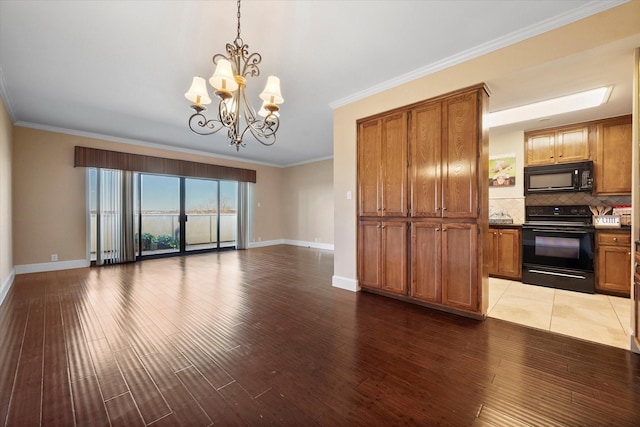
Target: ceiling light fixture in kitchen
(229, 80)
(551, 107)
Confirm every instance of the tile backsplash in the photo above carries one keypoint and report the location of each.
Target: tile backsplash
(576, 199)
(513, 207)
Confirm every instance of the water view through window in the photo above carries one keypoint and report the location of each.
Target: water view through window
(177, 215)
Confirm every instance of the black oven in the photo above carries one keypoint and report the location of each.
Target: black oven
(557, 248)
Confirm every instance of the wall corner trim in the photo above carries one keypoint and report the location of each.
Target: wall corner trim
(345, 283)
(6, 286)
(52, 266)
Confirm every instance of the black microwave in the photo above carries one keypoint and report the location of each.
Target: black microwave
(559, 178)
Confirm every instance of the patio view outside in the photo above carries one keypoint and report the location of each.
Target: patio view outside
(210, 207)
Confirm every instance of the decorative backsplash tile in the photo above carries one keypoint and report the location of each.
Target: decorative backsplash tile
(513, 207)
(576, 199)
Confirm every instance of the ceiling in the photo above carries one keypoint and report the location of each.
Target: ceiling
(119, 70)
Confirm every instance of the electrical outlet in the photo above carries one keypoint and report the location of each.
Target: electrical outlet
(54, 257)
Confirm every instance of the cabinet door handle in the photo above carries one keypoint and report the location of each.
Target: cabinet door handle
(501, 234)
(444, 209)
(437, 229)
(444, 229)
(615, 239)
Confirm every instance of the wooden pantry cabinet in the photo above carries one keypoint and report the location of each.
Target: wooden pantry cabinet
(382, 258)
(382, 166)
(444, 158)
(558, 145)
(444, 267)
(424, 167)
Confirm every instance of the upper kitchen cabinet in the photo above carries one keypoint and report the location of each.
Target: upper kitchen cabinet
(444, 157)
(382, 166)
(612, 166)
(559, 145)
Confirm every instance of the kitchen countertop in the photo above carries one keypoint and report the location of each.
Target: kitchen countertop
(505, 225)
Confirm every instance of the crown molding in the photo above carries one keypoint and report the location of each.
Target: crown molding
(139, 143)
(158, 146)
(591, 8)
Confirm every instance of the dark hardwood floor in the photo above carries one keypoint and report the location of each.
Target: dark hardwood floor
(260, 337)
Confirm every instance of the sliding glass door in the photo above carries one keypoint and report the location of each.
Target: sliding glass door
(160, 214)
(180, 215)
(201, 210)
(171, 215)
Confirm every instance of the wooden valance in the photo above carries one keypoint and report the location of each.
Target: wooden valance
(97, 158)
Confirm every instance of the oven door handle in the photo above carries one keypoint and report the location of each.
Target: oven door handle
(548, 230)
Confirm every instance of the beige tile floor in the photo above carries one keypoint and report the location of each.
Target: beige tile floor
(600, 318)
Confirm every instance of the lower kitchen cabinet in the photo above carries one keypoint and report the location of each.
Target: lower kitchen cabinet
(444, 264)
(382, 258)
(460, 266)
(613, 262)
(505, 252)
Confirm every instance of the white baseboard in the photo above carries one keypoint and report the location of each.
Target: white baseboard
(314, 245)
(345, 283)
(632, 343)
(6, 286)
(266, 243)
(52, 266)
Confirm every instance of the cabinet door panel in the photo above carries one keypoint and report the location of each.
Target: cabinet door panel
(614, 269)
(509, 247)
(426, 262)
(540, 149)
(572, 145)
(460, 156)
(394, 165)
(426, 159)
(369, 254)
(613, 163)
(459, 266)
(394, 238)
(369, 137)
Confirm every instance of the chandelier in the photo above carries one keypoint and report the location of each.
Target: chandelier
(235, 113)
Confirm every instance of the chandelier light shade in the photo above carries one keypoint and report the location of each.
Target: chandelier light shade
(235, 113)
(198, 92)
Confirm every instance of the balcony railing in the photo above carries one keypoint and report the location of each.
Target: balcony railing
(161, 232)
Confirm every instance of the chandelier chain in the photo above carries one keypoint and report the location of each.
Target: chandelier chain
(238, 19)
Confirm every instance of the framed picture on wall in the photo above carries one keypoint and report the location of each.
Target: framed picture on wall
(502, 170)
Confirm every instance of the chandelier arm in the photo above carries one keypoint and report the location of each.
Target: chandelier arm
(199, 124)
(226, 117)
(264, 131)
(251, 62)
